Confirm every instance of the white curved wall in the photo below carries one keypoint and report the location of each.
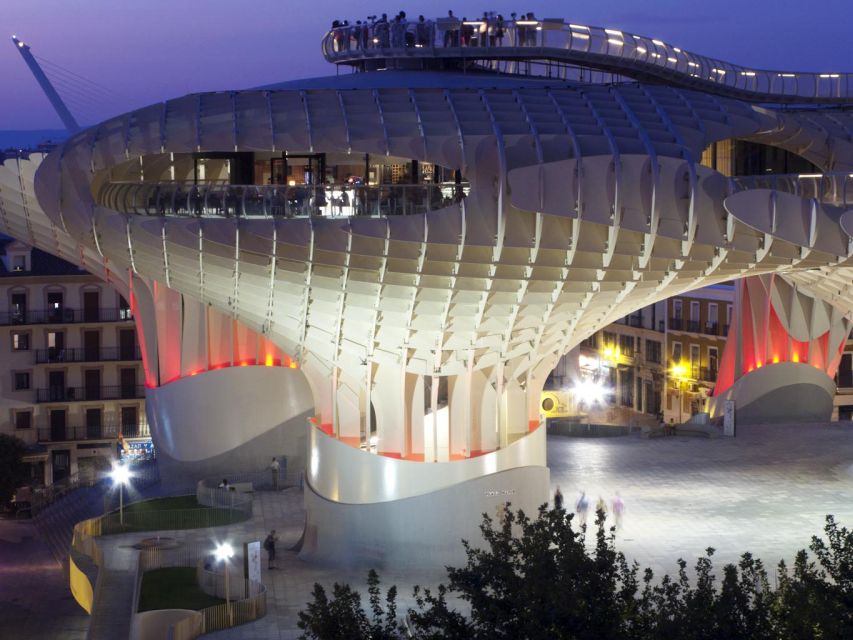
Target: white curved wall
(785, 391)
(207, 415)
(342, 473)
(424, 531)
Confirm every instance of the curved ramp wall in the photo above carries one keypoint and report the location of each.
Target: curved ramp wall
(229, 421)
(379, 511)
(423, 531)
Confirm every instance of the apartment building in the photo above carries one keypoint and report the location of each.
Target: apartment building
(71, 384)
(660, 362)
(697, 326)
(624, 364)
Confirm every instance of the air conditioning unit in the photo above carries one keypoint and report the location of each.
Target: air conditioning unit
(555, 404)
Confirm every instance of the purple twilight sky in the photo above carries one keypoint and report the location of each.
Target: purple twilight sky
(144, 51)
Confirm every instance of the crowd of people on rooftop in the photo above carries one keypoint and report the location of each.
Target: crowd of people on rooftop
(490, 30)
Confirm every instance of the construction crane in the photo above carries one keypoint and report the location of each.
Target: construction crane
(61, 110)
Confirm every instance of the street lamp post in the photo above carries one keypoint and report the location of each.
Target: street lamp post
(224, 552)
(120, 476)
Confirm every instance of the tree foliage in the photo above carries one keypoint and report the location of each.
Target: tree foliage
(13, 471)
(537, 578)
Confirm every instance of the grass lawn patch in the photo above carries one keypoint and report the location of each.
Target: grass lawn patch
(173, 588)
(174, 512)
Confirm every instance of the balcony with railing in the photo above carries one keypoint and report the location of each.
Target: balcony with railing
(84, 394)
(706, 374)
(711, 328)
(215, 199)
(88, 354)
(676, 324)
(92, 432)
(65, 316)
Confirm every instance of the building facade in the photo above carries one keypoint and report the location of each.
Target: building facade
(697, 327)
(615, 376)
(72, 386)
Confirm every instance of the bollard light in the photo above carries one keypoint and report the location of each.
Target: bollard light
(224, 552)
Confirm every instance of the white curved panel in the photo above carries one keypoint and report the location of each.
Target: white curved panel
(342, 473)
(212, 413)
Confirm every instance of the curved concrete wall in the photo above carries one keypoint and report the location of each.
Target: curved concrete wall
(783, 392)
(343, 473)
(155, 625)
(229, 421)
(422, 531)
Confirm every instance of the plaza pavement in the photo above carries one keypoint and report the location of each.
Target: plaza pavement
(766, 491)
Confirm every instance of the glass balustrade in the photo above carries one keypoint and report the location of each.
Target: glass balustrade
(829, 188)
(226, 200)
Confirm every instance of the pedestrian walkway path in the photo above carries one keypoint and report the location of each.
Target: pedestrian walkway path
(35, 602)
(56, 522)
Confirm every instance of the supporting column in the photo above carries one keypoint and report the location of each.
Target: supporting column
(501, 413)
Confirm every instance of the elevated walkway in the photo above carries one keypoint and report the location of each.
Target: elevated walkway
(562, 50)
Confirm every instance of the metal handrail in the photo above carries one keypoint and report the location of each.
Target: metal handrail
(611, 50)
(205, 199)
(64, 315)
(103, 392)
(92, 432)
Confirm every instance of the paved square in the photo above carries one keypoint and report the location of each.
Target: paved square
(765, 491)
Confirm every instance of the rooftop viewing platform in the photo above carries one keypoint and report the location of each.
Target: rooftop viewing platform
(554, 48)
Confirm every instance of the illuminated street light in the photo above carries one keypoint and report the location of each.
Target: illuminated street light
(120, 476)
(225, 552)
(589, 392)
(679, 372)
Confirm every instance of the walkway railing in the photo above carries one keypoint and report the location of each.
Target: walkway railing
(612, 50)
(265, 201)
(86, 532)
(223, 498)
(247, 598)
(834, 188)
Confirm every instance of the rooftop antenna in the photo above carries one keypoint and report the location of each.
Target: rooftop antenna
(58, 105)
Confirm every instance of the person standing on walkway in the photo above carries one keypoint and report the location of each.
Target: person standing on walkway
(269, 545)
(558, 499)
(275, 467)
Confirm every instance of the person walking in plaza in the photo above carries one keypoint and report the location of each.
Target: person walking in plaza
(618, 510)
(275, 467)
(269, 545)
(582, 508)
(558, 499)
(601, 505)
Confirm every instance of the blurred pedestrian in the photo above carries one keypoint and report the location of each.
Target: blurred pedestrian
(558, 499)
(601, 506)
(618, 510)
(582, 507)
(275, 467)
